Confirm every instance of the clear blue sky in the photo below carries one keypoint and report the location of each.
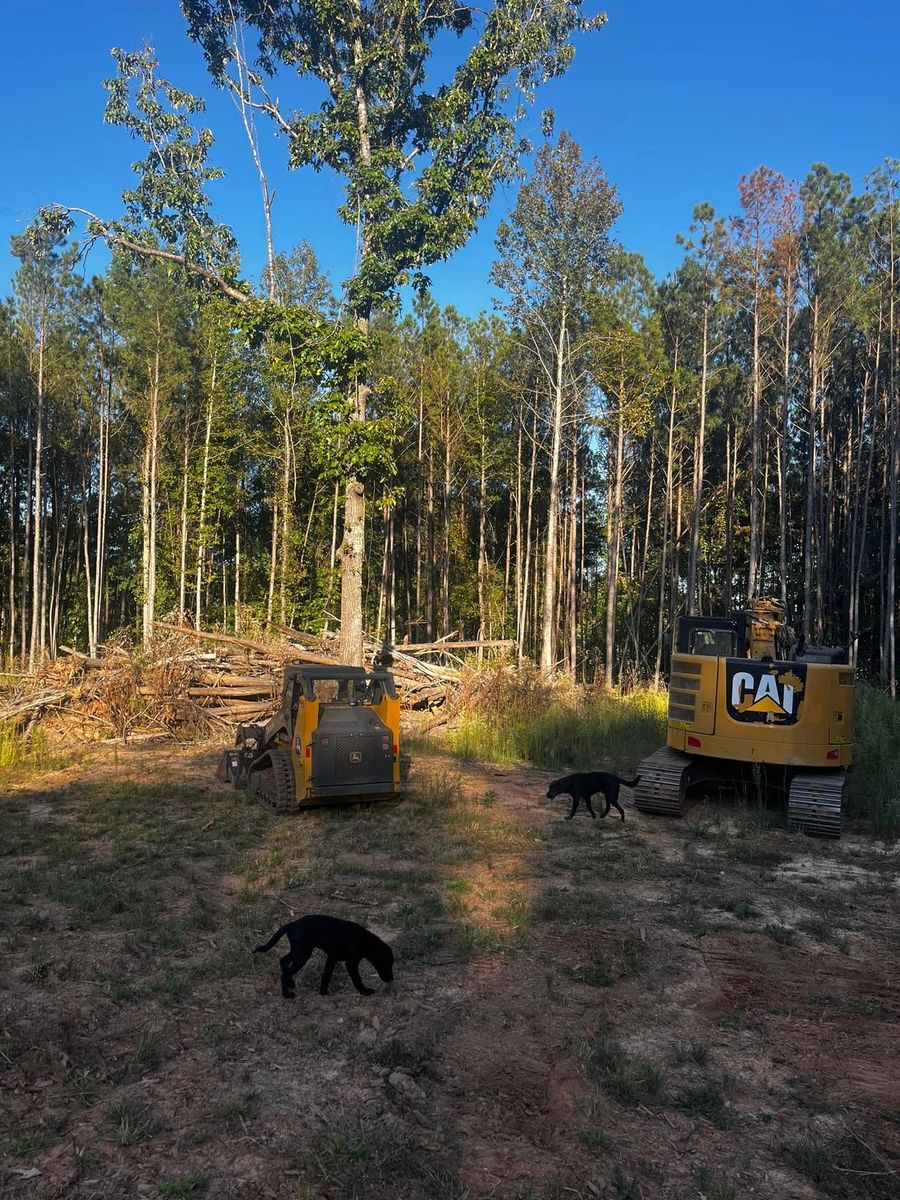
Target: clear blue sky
(675, 100)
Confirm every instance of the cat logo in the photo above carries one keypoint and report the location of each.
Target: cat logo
(356, 756)
(760, 692)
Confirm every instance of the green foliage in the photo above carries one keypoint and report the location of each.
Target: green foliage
(420, 162)
(568, 731)
(170, 200)
(875, 777)
(23, 753)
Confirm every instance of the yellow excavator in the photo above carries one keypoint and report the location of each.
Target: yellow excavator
(750, 702)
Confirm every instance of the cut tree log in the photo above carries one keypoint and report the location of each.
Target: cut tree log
(245, 644)
(475, 644)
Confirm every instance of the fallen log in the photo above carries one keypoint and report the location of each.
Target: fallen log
(245, 644)
(473, 644)
(86, 659)
(34, 703)
(225, 679)
(231, 693)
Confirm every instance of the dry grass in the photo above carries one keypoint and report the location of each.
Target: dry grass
(548, 1012)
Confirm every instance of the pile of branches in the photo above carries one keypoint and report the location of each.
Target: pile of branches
(191, 683)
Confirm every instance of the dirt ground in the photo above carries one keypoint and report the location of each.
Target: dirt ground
(659, 1010)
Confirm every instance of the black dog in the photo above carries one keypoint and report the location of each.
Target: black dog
(584, 784)
(342, 941)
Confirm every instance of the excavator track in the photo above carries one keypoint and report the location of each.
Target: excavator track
(271, 779)
(663, 785)
(816, 803)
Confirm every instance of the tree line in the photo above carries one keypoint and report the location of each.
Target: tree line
(572, 471)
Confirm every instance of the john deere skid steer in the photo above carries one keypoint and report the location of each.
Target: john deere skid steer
(335, 740)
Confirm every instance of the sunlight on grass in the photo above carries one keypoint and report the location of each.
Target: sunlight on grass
(565, 730)
(20, 754)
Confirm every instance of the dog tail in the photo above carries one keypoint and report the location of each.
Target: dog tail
(271, 942)
(631, 782)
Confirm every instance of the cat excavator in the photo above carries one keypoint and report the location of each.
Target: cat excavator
(751, 703)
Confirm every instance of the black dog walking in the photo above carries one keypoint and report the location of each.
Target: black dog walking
(585, 784)
(342, 941)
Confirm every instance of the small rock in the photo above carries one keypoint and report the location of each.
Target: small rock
(405, 1085)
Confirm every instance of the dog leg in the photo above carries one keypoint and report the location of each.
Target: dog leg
(290, 964)
(590, 807)
(287, 977)
(353, 972)
(574, 807)
(618, 806)
(330, 964)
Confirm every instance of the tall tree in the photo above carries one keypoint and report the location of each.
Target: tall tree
(42, 286)
(420, 163)
(554, 251)
(700, 281)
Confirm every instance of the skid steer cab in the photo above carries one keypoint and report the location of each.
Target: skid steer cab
(335, 740)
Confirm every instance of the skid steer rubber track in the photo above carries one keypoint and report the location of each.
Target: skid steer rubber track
(271, 779)
(816, 803)
(663, 786)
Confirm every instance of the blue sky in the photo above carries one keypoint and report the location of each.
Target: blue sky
(677, 101)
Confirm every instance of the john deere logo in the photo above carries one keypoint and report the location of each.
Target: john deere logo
(760, 692)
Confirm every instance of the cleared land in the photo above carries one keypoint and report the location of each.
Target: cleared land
(705, 1008)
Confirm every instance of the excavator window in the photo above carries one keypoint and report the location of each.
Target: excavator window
(713, 637)
(715, 643)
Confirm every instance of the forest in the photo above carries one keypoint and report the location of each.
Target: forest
(572, 470)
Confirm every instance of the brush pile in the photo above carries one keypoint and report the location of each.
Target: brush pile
(193, 684)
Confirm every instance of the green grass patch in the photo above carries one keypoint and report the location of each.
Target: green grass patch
(519, 719)
(705, 1100)
(133, 1120)
(188, 1185)
(357, 1159)
(846, 1168)
(628, 1078)
(26, 754)
(696, 1053)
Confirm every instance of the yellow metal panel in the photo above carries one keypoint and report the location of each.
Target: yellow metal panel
(791, 754)
(389, 712)
(783, 713)
(692, 695)
(301, 745)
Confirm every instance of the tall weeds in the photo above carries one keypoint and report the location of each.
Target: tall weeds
(519, 717)
(875, 778)
(22, 752)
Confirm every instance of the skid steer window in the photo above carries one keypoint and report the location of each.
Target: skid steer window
(716, 643)
(347, 691)
(327, 691)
